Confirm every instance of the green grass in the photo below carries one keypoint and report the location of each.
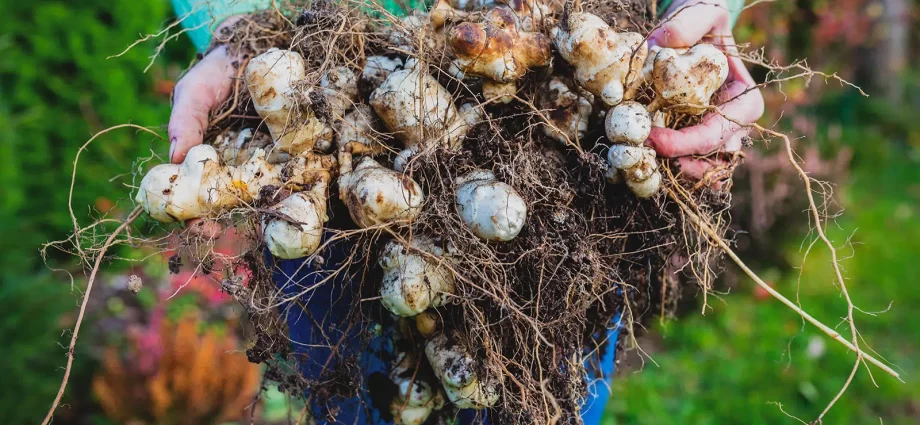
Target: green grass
(734, 364)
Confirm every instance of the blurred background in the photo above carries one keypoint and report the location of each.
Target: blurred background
(154, 357)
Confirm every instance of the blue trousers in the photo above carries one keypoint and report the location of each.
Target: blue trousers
(318, 324)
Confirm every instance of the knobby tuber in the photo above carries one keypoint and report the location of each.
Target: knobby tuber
(628, 122)
(569, 111)
(628, 125)
(360, 125)
(201, 186)
(491, 209)
(377, 69)
(499, 50)
(418, 393)
(467, 383)
(684, 80)
(271, 79)
(298, 228)
(417, 109)
(416, 278)
(607, 63)
(375, 194)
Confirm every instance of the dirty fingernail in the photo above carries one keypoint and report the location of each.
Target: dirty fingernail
(172, 148)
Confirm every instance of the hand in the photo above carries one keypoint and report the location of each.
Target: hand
(688, 22)
(202, 89)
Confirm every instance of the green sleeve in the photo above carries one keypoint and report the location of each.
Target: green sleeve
(734, 8)
(201, 17)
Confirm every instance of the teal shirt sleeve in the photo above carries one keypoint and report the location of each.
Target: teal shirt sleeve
(734, 8)
(201, 17)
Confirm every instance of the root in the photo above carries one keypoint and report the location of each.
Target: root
(89, 287)
(720, 242)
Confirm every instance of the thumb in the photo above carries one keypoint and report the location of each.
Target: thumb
(689, 21)
(201, 90)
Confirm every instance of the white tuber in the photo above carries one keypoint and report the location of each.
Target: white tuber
(624, 156)
(412, 280)
(375, 194)
(235, 148)
(360, 125)
(645, 188)
(288, 240)
(607, 63)
(533, 13)
(628, 122)
(169, 192)
(414, 32)
(418, 393)
(569, 111)
(401, 161)
(497, 48)
(416, 108)
(271, 78)
(639, 168)
(686, 80)
(644, 168)
(201, 185)
(499, 92)
(454, 364)
(378, 68)
(340, 87)
(491, 209)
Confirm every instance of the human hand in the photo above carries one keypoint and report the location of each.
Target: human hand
(739, 101)
(202, 89)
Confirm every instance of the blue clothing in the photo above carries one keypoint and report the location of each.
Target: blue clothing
(318, 320)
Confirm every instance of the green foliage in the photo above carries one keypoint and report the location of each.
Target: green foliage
(32, 359)
(56, 89)
(728, 366)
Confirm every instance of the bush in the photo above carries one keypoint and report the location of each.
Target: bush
(56, 89)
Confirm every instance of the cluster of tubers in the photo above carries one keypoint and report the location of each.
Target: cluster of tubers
(611, 74)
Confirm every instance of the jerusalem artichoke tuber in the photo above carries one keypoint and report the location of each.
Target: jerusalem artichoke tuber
(497, 48)
(201, 185)
(685, 80)
(374, 194)
(569, 111)
(288, 240)
(271, 78)
(416, 108)
(467, 385)
(607, 63)
(628, 122)
(418, 393)
(413, 281)
(491, 209)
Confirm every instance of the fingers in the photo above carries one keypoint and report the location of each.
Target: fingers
(203, 88)
(715, 172)
(688, 22)
(721, 130)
